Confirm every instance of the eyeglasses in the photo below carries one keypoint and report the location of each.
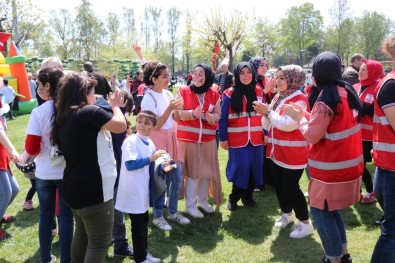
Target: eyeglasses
(153, 72)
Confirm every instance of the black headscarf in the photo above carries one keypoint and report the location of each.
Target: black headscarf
(327, 75)
(208, 82)
(240, 90)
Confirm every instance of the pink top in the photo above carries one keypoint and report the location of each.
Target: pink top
(337, 195)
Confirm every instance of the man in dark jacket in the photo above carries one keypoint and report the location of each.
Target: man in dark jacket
(225, 78)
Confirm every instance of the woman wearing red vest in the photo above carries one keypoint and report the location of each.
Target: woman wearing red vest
(335, 157)
(287, 149)
(240, 132)
(384, 156)
(196, 131)
(370, 73)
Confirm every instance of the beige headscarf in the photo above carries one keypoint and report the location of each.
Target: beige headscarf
(295, 77)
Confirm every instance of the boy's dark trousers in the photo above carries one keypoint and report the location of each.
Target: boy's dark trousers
(139, 224)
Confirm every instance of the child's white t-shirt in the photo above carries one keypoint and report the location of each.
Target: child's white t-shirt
(162, 102)
(133, 187)
(40, 125)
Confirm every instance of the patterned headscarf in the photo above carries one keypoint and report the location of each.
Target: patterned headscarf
(255, 62)
(295, 77)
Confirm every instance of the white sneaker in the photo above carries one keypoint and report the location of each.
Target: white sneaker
(152, 259)
(284, 220)
(302, 230)
(53, 259)
(207, 208)
(178, 218)
(194, 212)
(161, 223)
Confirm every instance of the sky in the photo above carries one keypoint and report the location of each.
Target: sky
(272, 10)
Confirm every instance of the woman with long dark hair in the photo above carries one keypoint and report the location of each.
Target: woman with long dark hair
(82, 132)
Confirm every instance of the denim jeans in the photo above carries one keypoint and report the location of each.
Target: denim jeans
(175, 178)
(46, 192)
(330, 227)
(9, 189)
(384, 250)
(119, 229)
(378, 191)
(93, 230)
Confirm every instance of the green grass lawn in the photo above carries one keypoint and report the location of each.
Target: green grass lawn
(246, 235)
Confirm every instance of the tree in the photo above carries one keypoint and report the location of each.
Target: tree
(173, 16)
(22, 19)
(113, 25)
(145, 27)
(266, 38)
(340, 16)
(62, 26)
(89, 31)
(301, 28)
(156, 25)
(129, 24)
(187, 42)
(229, 31)
(371, 30)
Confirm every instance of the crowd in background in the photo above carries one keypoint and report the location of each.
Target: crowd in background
(92, 166)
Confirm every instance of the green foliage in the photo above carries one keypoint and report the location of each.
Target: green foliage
(301, 28)
(246, 235)
(371, 30)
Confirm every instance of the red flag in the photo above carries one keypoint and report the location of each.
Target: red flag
(214, 62)
(216, 49)
(3, 40)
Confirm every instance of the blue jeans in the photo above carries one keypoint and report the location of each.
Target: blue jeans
(46, 192)
(119, 229)
(330, 227)
(378, 191)
(175, 178)
(384, 250)
(9, 188)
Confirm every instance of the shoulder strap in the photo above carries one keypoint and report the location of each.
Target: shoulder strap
(152, 96)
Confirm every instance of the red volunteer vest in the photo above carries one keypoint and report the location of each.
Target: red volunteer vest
(367, 97)
(243, 128)
(338, 156)
(197, 130)
(4, 157)
(383, 134)
(289, 148)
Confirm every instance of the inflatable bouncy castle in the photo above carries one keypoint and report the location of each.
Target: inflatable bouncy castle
(13, 69)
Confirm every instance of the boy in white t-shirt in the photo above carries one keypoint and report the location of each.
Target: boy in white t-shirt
(138, 151)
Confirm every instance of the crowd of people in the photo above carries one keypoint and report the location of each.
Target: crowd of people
(91, 167)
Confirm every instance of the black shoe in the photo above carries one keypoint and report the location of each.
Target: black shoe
(232, 206)
(379, 221)
(346, 258)
(248, 202)
(26, 167)
(125, 252)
